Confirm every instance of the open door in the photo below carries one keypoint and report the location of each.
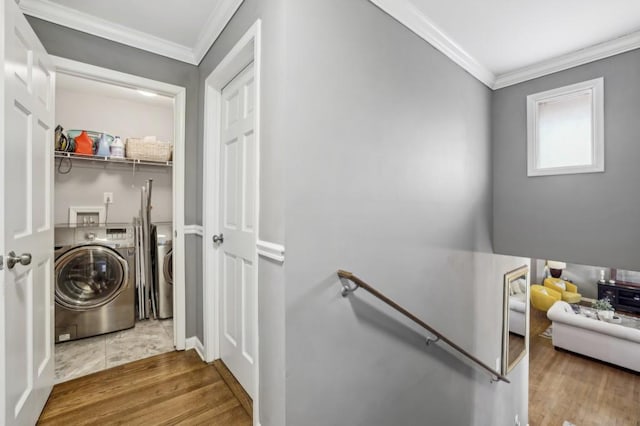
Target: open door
(26, 229)
(237, 241)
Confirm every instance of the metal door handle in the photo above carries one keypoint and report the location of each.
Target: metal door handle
(218, 239)
(23, 259)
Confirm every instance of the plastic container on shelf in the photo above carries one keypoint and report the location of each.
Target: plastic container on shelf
(95, 138)
(117, 148)
(84, 144)
(103, 146)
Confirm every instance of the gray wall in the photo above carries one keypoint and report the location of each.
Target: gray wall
(388, 174)
(586, 218)
(67, 43)
(87, 181)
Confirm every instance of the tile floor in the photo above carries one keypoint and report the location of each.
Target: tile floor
(86, 356)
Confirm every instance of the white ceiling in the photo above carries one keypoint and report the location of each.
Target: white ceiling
(91, 87)
(500, 42)
(505, 35)
(182, 30)
(503, 42)
(176, 21)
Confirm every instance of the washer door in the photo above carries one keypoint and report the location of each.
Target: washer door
(89, 277)
(168, 267)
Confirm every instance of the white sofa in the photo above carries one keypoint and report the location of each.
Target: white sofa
(517, 312)
(607, 342)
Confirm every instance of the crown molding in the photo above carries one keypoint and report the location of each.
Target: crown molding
(412, 18)
(74, 19)
(217, 20)
(570, 60)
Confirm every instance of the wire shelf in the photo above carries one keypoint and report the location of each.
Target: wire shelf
(109, 160)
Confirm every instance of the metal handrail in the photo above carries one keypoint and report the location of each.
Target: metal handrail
(346, 290)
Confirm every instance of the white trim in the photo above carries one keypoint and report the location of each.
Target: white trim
(414, 19)
(106, 75)
(594, 87)
(270, 250)
(4, 10)
(210, 263)
(90, 24)
(246, 50)
(570, 60)
(194, 343)
(218, 19)
(178, 94)
(193, 230)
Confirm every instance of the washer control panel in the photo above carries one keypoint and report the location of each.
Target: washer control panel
(118, 234)
(113, 236)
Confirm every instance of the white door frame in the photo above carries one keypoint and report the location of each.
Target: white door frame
(246, 50)
(178, 93)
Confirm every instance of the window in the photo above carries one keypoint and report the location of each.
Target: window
(566, 130)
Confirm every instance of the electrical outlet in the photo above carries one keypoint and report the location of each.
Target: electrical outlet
(108, 197)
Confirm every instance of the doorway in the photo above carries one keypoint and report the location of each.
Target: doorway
(231, 212)
(80, 186)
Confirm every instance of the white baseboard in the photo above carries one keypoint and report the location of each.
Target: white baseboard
(195, 343)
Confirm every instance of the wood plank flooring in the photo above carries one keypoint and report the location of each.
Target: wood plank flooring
(168, 389)
(234, 385)
(565, 386)
(178, 388)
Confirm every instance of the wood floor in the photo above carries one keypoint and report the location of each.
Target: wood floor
(565, 386)
(178, 388)
(168, 389)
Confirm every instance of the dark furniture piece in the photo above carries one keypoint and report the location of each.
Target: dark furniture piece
(623, 296)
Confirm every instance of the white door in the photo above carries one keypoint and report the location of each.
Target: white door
(238, 159)
(26, 197)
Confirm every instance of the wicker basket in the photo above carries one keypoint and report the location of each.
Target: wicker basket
(148, 150)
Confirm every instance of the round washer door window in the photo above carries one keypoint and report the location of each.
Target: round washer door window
(89, 277)
(168, 267)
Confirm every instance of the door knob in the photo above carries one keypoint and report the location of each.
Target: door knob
(23, 259)
(218, 239)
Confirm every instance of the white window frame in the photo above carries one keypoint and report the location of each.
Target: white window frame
(596, 86)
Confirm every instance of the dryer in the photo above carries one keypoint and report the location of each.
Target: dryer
(95, 281)
(162, 236)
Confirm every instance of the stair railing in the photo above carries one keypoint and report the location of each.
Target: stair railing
(358, 283)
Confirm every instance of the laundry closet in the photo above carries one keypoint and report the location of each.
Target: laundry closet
(113, 211)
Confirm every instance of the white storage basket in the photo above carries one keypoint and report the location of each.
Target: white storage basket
(148, 150)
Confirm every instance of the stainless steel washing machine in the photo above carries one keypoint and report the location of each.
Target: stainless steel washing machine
(95, 281)
(162, 235)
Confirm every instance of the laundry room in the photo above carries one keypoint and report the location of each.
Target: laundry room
(113, 212)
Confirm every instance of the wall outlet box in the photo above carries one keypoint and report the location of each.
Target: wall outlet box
(108, 197)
